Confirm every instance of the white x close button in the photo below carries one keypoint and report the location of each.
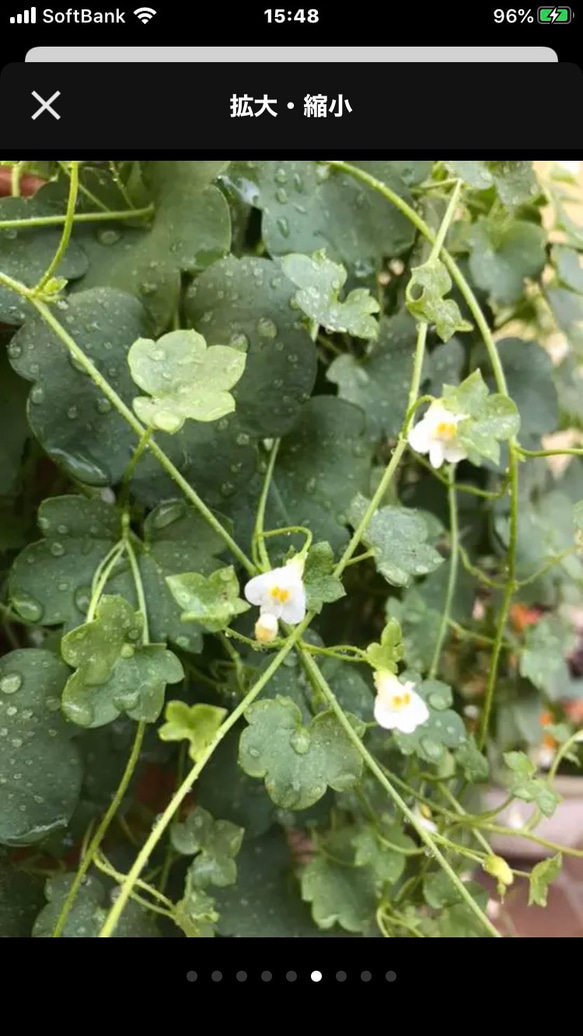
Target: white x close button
(45, 106)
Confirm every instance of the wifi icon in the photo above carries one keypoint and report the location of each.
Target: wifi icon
(145, 14)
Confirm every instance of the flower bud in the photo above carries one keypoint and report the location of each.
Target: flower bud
(266, 628)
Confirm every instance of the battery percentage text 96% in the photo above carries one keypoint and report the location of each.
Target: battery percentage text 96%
(513, 15)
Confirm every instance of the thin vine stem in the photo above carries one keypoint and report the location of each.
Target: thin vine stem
(166, 817)
(67, 229)
(116, 401)
(101, 576)
(258, 548)
(453, 570)
(80, 217)
(101, 830)
(425, 836)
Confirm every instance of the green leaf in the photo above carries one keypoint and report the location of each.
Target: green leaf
(475, 174)
(339, 892)
(474, 765)
(195, 913)
(387, 864)
(379, 382)
(568, 267)
(40, 768)
(21, 898)
(69, 415)
(226, 791)
(503, 255)
(89, 912)
(397, 537)
(444, 728)
(351, 690)
(425, 299)
(488, 417)
(541, 876)
(320, 282)
(545, 529)
(529, 373)
(542, 659)
(515, 181)
(14, 427)
(186, 379)
(215, 843)
(211, 601)
(113, 673)
(389, 652)
(190, 229)
(26, 253)
(527, 787)
(298, 762)
(245, 303)
(321, 586)
(195, 723)
(320, 467)
(266, 901)
(307, 206)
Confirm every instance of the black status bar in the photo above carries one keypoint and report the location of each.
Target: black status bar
(457, 23)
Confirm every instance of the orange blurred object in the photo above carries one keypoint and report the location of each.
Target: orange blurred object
(29, 184)
(521, 616)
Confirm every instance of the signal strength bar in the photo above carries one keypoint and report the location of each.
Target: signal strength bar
(27, 17)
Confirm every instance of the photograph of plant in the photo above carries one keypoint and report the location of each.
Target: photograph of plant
(291, 533)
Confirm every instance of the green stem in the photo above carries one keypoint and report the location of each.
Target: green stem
(137, 577)
(506, 602)
(128, 415)
(101, 830)
(100, 577)
(15, 177)
(67, 228)
(258, 548)
(85, 190)
(572, 451)
(166, 817)
(453, 569)
(373, 766)
(129, 471)
(396, 457)
(546, 567)
(81, 217)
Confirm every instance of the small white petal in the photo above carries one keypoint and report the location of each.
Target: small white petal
(420, 436)
(436, 453)
(258, 587)
(453, 453)
(385, 716)
(266, 628)
(294, 610)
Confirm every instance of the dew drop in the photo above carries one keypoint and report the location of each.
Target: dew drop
(431, 748)
(300, 741)
(243, 439)
(437, 700)
(82, 597)
(11, 683)
(266, 328)
(254, 753)
(103, 405)
(72, 413)
(167, 514)
(57, 549)
(283, 226)
(28, 607)
(280, 175)
(37, 394)
(281, 196)
(108, 237)
(11, 710)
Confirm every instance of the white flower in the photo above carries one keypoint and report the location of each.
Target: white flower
(397, 705)
(266, 628)
(422, 815)
(435, 434)
(280, 592)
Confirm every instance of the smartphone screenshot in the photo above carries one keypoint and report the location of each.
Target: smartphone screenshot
(291, 489)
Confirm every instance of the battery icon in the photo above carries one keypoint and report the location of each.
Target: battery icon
(554, 14)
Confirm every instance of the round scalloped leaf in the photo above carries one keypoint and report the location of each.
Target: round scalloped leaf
(397, 537)
(26, 252)
(40, 768)
(379, 382)
(69, 415)
(246, 303)
(89, 912)
(21, 897)
(266, 900)
(298, 762)
(50, 581)
(14, 427)
(307, 206)
(185, 379)
(529, 374)
(320, 467)
(503, 255)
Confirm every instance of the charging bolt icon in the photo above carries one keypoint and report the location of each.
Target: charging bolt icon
(554, 14)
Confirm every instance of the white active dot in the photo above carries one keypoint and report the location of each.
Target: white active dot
(316, 976)
(290, 104)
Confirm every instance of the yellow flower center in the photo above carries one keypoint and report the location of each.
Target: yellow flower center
(400, 700)
(446, 429)
(279, 594)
